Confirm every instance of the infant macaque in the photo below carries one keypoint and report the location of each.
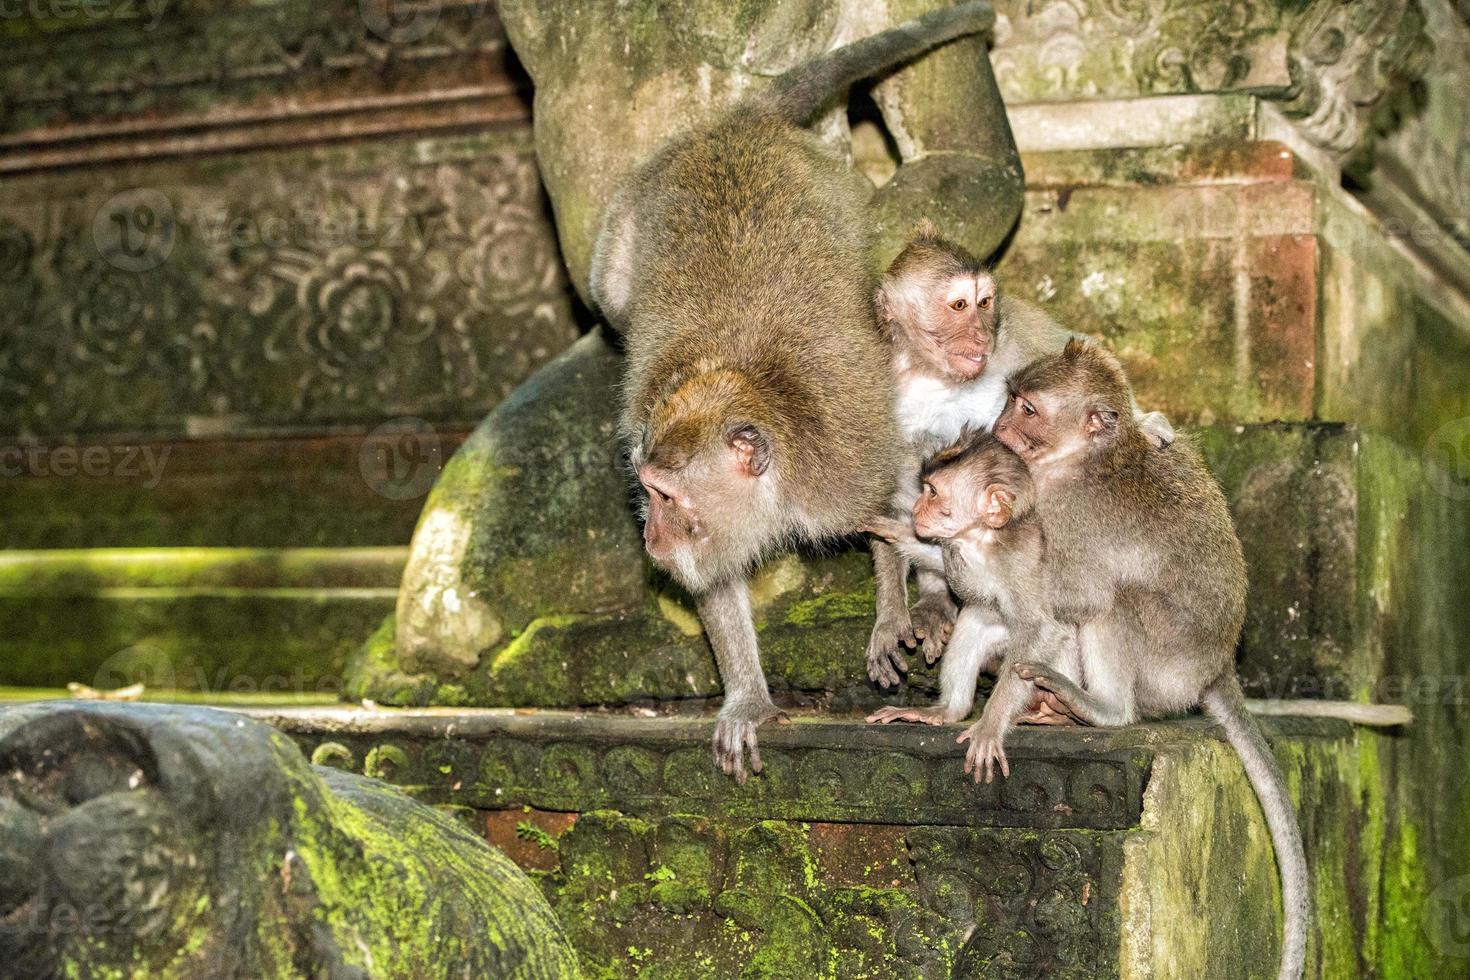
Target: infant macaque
(955, 340)
(976, 503)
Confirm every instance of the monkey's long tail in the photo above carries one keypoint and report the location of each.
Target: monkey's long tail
(799, 94)
(1224, 702)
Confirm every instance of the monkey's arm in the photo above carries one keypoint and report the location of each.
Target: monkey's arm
(1045, 641)
(1110, 703)
(960, 165)
(725, 612)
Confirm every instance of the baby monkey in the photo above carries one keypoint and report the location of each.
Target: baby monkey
(954, 340)
(977, 503)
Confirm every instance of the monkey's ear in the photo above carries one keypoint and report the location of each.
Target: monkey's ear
(752, 448)
(995, 507)
(882, 306)
(1101, 421)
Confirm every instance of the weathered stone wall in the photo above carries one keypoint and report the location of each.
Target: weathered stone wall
(292, 215)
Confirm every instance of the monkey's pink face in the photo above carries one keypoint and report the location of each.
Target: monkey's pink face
(1044, 428)
(951, 503)
(950, 321)
(672, 519)
(697, 508)
(962, 324)
(1022, 426)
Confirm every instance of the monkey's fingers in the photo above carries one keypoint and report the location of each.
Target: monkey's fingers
(755, 753)
(885, 667)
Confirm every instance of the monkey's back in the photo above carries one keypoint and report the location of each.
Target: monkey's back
(1168, 525)
(1202, 578)
(752, 255)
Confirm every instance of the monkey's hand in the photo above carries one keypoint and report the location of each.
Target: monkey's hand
(890, 529)
(934, 715)
(933, 617)
(987, 750)
(892, 636)
(735, 734)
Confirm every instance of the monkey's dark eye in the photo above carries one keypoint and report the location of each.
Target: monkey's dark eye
(983, 302)
(959, 305)
(928, 489)
(1026, 408)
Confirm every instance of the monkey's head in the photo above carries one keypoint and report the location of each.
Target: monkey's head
(1069, 406)
(705, 461)
(938, 303)
(977, 483)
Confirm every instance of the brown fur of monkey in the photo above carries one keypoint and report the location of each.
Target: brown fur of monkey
(758, 407)
(1142, 558)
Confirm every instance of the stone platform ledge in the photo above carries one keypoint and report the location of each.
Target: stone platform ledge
(863, 851)
(819, 768)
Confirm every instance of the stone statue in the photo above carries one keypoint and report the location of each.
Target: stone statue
(529, 534)
(185, 842)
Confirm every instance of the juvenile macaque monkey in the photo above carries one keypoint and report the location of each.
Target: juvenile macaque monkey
(955, 339)
(1142, 558)
(976, 502)
(735, 262)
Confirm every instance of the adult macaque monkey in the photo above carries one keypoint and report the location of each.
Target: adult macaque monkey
(1142, 557)
(757, 412)
(955, 340)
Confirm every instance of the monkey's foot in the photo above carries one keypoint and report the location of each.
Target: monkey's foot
(1056, 699)
(933, 617)
(987, 750)
(1046, 711)
(735, 735)
(886, 650)
(925, 716)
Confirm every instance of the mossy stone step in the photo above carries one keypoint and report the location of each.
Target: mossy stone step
(264, 621)
(863, 851)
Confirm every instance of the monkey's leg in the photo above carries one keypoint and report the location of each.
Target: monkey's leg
(725, 611)
(1011, 696)
(1109, 700)
(893, 631)
(934, 614)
